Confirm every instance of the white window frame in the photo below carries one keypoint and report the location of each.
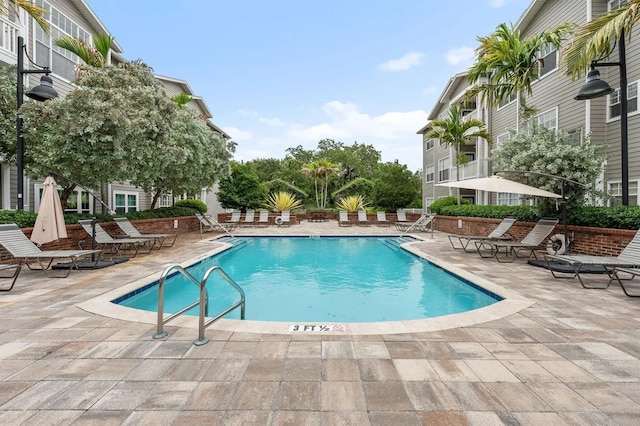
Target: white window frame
(508, 199)
(431, 141)
(576, 135)
(547, 116)
(39, 188)
(613, 100)
(502, 138)
(614, 4)
(614, 189)
(127, 207)
(444, 166)
(510, 99)
(547, 53)
(429, 173)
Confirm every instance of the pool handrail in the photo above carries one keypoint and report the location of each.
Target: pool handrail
(202, 301)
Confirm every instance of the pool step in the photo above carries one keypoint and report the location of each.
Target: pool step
(395, 243)
(235, 242)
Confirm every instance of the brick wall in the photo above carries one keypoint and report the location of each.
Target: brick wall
(585, 239)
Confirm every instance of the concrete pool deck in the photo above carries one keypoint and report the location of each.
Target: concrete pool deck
(567, 356)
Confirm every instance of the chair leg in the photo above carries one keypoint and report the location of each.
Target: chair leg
(17, 268)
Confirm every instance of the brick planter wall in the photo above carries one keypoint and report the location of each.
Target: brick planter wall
(586, 240)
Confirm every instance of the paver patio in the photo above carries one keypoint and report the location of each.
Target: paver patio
(572, 357)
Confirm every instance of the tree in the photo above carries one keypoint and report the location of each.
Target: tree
(395, 187)
(106, 129)
(454, 131)
(242, 189)
(545, 151)
(597, 38)
(320, 171)
(8, 112)
(510, 64)
(10, 7)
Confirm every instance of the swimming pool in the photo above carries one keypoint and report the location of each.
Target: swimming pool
(328, 279)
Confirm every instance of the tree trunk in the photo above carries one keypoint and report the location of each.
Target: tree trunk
(65, 195)
(154, 200)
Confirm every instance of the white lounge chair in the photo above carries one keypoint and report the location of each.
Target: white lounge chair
(26, 252)
(249, 217)
(401, 220)
(535, 237)
(263, 219)
(284, 219)
(343, 218)
(131, 232)
(498, 234)
(362, 218)
(382, 219)
(104, 239)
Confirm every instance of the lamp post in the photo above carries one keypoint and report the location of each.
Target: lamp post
(595, 88)
(44, 91)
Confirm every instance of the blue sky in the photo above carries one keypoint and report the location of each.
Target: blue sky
(282, 73)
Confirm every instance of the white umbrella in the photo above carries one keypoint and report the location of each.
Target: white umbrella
(499, 184)
(50, 220)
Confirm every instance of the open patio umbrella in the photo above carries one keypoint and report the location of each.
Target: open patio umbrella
(50, 220)
(499, 184)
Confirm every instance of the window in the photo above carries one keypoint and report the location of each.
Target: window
(428, 201)
(613, 101)
(507, 199)
(125, 202)
(614, 4)
(548, 58)
(575, 136)
(507, 100)
(166, 200)
(61, 61)
(443, 169)
(615, 191)
(502, 139)
(429, 175)
(548, 119)
(78, 201)
(430, 144)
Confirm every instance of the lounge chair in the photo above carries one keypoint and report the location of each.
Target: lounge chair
(263, 219)
(234, 221)
(629, 257)
(131, 232)
(343, 218)
(498, 234)
(26, 252)
(362, 218)
(382, 219)
(423, 224)
(401, 220)
(208, 223)
(103, 239)
(535, 237)
(16, 271)
(284, 219)
(249, 217)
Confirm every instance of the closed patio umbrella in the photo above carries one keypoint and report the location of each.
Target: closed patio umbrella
(50, 220)
(499, 184)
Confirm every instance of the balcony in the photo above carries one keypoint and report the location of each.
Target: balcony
(8, 39)
(470, 170)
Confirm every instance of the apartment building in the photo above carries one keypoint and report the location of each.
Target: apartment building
(75, 18)
(553, 100)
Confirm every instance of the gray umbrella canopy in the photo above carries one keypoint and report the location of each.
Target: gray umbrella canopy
(49, 224)
(499, 184)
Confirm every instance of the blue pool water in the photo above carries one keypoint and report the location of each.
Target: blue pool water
(328, 279)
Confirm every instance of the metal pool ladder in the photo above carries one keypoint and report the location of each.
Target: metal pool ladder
(202, 301)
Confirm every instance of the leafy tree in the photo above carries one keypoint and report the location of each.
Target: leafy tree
(395, 187)
(8, 112)
(511, 63)
(597, 38)
(355, 161)
(320, 171)
(554, 153)
(10, 7)
(242, 189)
(356, 186)
(106, 129)
(454, 131)
(190, 158)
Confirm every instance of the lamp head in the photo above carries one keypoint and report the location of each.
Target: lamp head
(44, 91)
(594, 87)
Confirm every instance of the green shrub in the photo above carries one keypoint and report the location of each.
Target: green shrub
(522, 213)
(192, 204)
(620, 217)
(437, 206)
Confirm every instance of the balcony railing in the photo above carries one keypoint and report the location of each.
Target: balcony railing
(470, 170)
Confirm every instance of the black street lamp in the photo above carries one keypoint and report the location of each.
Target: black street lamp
(595, 88)
(44, 91)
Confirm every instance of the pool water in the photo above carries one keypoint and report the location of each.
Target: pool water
(328, 279)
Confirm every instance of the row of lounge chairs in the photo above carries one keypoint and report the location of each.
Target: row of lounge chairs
(209, 223)
(501, 245)
(401, 224)
(27, 253)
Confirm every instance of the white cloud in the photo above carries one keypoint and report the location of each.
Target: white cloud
(403, 63)
(430, 90)
(460, 55)
(496, 4)
(237, 135)
(272, 122)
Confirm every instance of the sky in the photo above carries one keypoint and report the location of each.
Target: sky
(277, 74)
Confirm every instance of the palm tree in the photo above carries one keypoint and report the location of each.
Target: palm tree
(597, 38)
(94, 56)
(320, 171)
(454, 131)
(510, 63)
(10, 7)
